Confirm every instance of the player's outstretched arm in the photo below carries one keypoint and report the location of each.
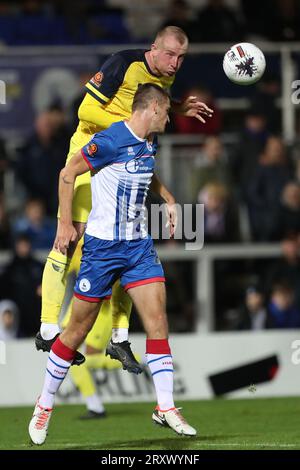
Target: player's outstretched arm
(66, 232)
(192, 107)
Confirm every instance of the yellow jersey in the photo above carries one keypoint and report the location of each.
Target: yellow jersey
(114, 87)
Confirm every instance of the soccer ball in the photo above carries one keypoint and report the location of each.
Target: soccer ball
(244, 63)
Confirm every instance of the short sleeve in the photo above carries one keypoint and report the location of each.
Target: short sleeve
(107, 81)
(99, 152)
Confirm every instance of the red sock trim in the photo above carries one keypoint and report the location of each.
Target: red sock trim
(164, 411)
(157, 346)
(61, 350)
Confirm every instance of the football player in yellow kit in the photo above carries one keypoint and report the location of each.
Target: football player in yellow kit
(109, 99)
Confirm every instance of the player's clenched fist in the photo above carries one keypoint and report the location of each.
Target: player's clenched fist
(66, 234)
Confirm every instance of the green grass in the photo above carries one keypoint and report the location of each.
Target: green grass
(222, 424)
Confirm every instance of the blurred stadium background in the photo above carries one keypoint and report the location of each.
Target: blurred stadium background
(235, 304)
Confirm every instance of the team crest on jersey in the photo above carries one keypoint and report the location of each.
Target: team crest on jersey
(84, 285)
(92, 149)
(97, 79)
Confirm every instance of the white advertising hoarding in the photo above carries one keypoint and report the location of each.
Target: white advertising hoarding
(260, 363)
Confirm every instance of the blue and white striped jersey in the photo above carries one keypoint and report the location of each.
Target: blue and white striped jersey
(122, 166)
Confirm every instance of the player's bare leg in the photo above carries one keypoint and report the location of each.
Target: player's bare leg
(60, 359)
(53, 292)
(150, 301)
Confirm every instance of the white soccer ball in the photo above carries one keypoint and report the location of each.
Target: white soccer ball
(244, 63)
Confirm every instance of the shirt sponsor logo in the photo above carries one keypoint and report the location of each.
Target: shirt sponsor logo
(139, 165)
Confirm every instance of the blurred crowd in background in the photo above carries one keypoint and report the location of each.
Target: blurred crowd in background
(250, 187)
(28, 22)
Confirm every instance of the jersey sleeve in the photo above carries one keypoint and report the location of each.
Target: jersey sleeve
(99, 152)
(107, 81)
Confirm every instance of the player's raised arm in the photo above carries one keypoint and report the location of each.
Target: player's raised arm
(66, 231)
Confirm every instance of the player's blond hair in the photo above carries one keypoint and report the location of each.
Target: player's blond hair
(175, 31)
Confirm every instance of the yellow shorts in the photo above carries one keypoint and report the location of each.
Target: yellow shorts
(100, 334)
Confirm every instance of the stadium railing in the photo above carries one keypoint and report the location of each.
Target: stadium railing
(204, 260)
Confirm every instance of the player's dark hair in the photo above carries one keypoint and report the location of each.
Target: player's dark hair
(146, 93)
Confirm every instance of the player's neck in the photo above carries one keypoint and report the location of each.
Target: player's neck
(140, 127)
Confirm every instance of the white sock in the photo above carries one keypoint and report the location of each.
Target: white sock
(94, 403)
(119, 335)
(49, 330)
(57, 369)
(161, 367)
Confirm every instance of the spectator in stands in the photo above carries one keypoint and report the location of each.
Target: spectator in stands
(20, 282)
(254, 14)
(3, 163)
(265, 186)
(32, 7)
(253, 315)
(84, 77)
(282, 309)
(179, 14)
(218, 23)
(36, 226)
(213, 126)
(221, 224)
(287, 268)
(180, 307)
(5, 234)
(283, 21)
(265, 97)
(9, 320)
(211, 165)
(251, 143)
(43, 156)
(285, 221)
(276, 20)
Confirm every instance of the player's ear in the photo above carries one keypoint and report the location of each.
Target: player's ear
(155, 106)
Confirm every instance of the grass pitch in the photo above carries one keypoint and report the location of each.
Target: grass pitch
(222, 424)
